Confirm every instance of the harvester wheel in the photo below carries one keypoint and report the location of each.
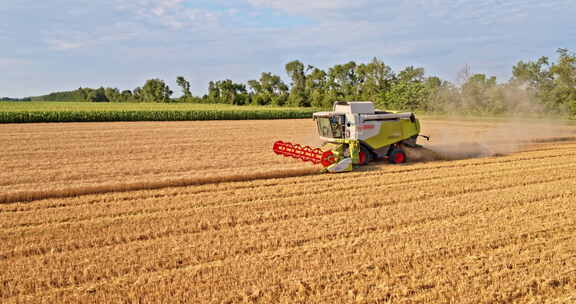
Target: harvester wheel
(364, 156)
(397, 156)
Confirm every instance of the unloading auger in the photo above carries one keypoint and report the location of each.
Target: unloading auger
(354, 134)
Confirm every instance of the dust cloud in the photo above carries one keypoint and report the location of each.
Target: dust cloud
(521, 121)
(465, 138)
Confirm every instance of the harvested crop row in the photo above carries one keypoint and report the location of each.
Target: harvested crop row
(433, 170)
(253, 175)
(240, 211)
(358, 231)
(422, 192)
(179, 201)
(56, 157)
(134, 152)
(181, 205)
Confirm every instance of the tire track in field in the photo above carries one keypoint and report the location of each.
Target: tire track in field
(62, 193)
(88, 160)
(172, 174)
(546, 147)
(331, 240)
(555, 139)
(148, 236)
(30, 196)
(144, 154)
(312, 180)
(139, 213)
(81, 192)
(170, 168)
(21, 197)
(268, 197)
(136, 146)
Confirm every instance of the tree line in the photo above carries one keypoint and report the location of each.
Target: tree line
(535, 86)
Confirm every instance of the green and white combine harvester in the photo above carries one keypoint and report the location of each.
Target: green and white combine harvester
(356, 133)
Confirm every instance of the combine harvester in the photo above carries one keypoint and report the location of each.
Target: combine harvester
(355, 133)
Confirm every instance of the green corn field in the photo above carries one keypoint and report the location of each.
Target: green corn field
(36, 112)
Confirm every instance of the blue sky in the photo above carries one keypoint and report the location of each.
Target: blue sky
(64, 44)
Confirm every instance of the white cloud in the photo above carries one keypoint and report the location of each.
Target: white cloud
(485, 11)
(444, 11)
(173, 14)
(63, 39)
(300, 6)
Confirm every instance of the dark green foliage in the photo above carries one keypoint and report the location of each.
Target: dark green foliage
(16, 99)
(126, 96)
(553, 85)
(185, 86)
(227, 92)
(269, 90)
(137, 94)
(155, 90)
(298, 95)
(147, 115)
(80, 94)
(98, 95)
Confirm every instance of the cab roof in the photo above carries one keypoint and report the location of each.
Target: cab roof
(356, 107)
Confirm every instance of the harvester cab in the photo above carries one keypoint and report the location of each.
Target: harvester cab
(355, 133)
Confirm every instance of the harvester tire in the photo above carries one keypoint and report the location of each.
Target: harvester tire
(364, 156)
(397, 156)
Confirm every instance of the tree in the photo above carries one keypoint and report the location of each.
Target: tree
(258, 94)
(127, 96)
(411, 74)
(113, 95)
(255, 86)
(482, 95)
(408, 89)
(316, 86)
(535, 74)
(213, 93)
(565, 70)
(374, 79)
(137, 94)
(562, 97)
(296, 72)
(98, 95)
(185, 85)
(553, 85)
(155, 90)
(270, 89)
(226, 91)
(343, 81)
(84, 93)
(405, 95)
(444, 97)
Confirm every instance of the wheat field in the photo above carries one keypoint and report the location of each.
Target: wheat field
(204, 212)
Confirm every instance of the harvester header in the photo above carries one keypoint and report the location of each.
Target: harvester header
(305, 153)
(355, 133)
